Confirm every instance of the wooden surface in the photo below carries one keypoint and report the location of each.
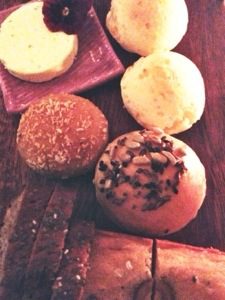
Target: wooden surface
(204, 44)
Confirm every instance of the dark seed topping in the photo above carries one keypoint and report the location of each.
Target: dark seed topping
(157, 166)
(125, 164)
(121, 142)
(151, 185)
(194, 278)
(168, 182)
(102, 166)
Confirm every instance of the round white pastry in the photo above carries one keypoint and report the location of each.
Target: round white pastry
(164, 89)
(29, 50)
(145, 26)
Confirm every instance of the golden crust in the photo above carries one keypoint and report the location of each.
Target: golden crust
(189, 272)
(62, 135)
(117, 270)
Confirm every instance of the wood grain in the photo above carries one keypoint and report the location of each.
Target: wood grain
(204, 44)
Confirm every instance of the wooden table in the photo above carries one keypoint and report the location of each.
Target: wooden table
(204, 44)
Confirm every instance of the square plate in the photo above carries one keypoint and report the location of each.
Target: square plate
(96, 63)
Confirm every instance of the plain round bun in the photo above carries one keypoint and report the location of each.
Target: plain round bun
(164, 89)
(146, 26)
(62, 135)
(30, 51)
(149, 182)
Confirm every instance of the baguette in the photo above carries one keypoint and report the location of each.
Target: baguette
(119, 267)
(48, 246)
(185, 272)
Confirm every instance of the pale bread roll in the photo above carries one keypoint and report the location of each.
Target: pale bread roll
(30, 51)
(145, 26)
(164, 89)
(150, 183)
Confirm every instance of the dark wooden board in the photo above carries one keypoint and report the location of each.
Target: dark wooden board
(204, 44)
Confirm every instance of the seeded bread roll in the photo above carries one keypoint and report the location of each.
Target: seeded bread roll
(147, 26)
(62, 135)
(164, 89)
(43, 54)
(149, 182)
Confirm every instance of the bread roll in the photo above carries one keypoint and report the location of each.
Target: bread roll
(149, 182)
(147, 26)
(62, 135)
(119, 266)
(30, 51)
(186, 272)
(165, 89)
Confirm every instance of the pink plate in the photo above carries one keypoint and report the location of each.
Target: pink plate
(96, 63)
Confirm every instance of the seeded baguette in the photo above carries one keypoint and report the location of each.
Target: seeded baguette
(30, 51)
(70, 281)
(48, 247)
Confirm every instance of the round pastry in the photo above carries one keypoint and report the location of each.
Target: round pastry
(149, 182)
(146, 26)
(164, 89)
(43, 54)
(62, 135)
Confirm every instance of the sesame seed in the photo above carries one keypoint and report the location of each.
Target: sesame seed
(78, 277)
(59, 278)
(129, 265)
(66, 251)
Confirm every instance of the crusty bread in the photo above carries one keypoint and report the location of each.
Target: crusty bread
(149, 182)
(30, 51)
(119, 265)
(184, 272)
(18, 233)
(62, 135)
(146, 26)
(49, 244)
(164, 89)
(72, 274)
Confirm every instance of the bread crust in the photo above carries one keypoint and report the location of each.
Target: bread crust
(150, 183)
(119, 264)
(147, 26)
(62, 135)
(187, 272)
(164, 89)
